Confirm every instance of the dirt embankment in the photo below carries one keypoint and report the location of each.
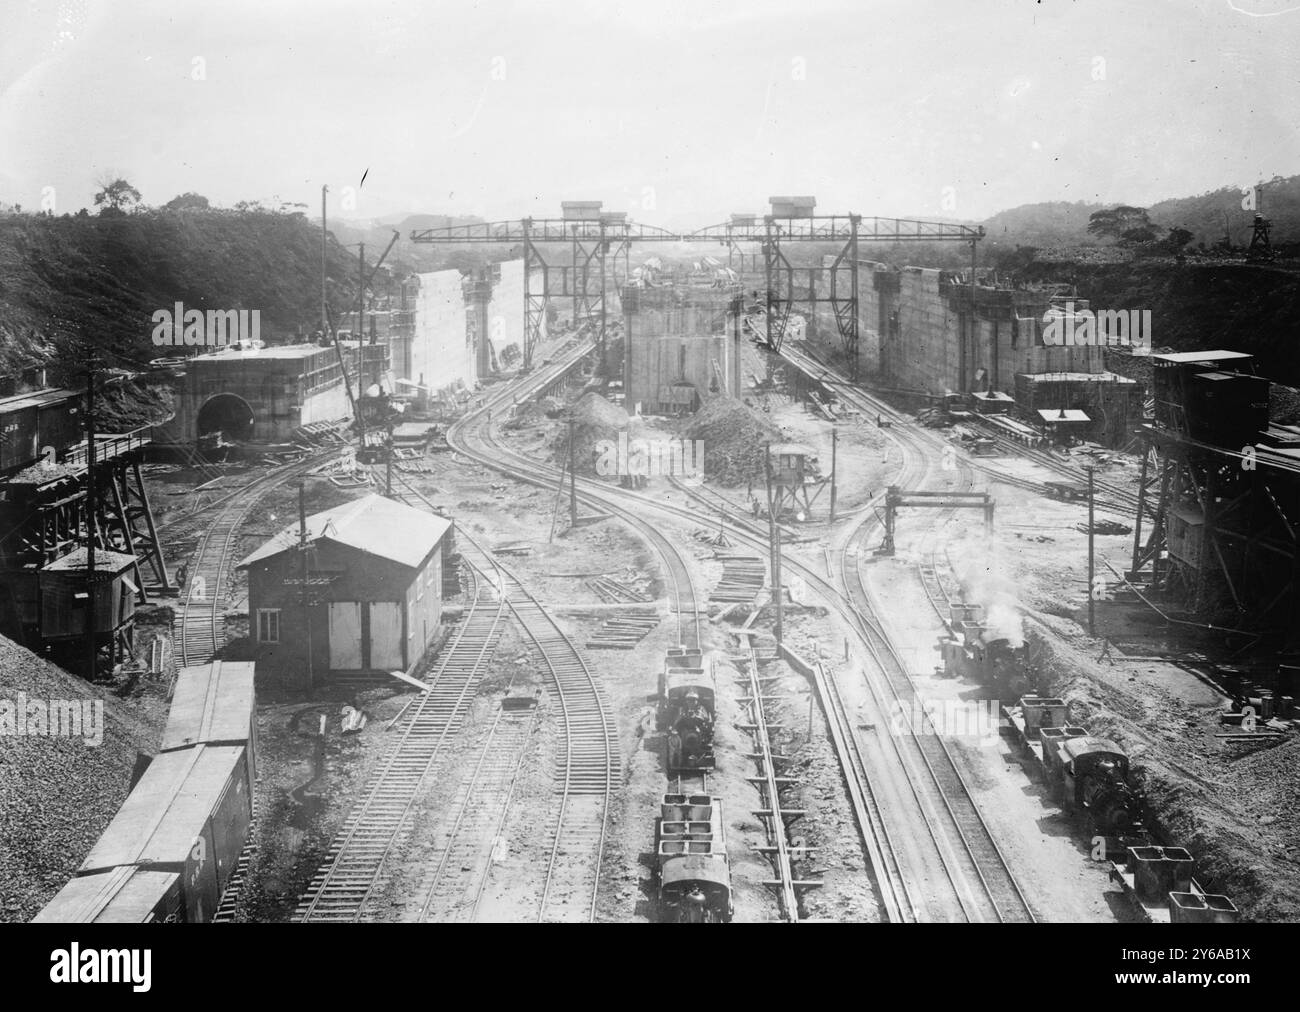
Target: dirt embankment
(1235, 809)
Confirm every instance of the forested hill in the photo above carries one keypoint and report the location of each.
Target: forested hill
(1209, 217)
(67, 281)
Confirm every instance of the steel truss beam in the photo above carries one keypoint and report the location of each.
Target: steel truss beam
(598, 238)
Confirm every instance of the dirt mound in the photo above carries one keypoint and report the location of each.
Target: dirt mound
(595, 419)
(734, 436)
(59, 791)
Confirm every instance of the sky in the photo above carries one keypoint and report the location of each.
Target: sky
(679, 113)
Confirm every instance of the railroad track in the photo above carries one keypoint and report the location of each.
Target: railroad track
(937, 864)
(982, 885)
(479, 807)
(1109, 496)
(589, 763)
(202, 626)
(354, 868)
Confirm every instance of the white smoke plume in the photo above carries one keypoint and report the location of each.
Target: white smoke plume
(986, 583)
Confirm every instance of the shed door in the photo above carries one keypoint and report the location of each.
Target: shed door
(386, 635)
(345, 635)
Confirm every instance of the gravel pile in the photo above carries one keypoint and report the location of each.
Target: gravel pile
(594, 419)
(734, 436)
(57, 794)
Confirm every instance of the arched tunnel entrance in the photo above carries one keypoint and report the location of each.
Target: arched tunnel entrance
(228, 414)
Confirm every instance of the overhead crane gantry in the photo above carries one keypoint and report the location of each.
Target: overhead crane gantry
(793, 221)
(594, 237)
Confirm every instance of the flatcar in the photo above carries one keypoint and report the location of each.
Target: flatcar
(687, 710)
(692, 872)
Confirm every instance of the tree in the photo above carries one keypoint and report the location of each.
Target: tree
(117, 195)
(188, 202)
(1114, 222)
(1178, 237)
(1142, 233)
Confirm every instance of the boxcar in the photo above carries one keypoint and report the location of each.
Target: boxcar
(214, 704)
(189, 814)
(126, 895)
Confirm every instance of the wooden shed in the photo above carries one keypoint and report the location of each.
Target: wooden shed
(364, 596)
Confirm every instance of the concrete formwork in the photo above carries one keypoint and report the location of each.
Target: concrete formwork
(676, 338)
(442, 351)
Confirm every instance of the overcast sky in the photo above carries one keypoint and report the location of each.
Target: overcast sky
(678, 112)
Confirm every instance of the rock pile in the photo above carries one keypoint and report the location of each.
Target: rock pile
(734, 436)
(595, 419)
(59, 791)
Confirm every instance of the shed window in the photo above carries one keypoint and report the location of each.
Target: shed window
(268, 625)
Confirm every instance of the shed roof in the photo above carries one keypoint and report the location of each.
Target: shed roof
(372, 524)
(105, 562)
(1066, 415)
(1178, 357)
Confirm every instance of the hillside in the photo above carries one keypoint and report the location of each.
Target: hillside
(72, 281)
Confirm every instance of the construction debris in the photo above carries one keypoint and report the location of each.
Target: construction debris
(743, 576)
(624, 632)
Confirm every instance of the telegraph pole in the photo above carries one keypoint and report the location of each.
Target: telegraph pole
(324, 260)
(91, 651)
(835, 438)
(306, 605)
(361, 292)
(573, 479)
(1092, 622)
(774, 541)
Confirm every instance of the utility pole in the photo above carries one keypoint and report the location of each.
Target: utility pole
(1092, 622)
(835, 438)
(774, 541)
(388, 457)
(361, 294)
(573, 479)
(324, 259)
(91, 651)
(302, 549)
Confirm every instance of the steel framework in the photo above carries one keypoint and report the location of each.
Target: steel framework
(788, 286)
(1238, 520)
(596, 241)
(593, 243)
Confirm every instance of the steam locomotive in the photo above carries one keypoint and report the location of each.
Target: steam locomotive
(686, 710)
(692, 874)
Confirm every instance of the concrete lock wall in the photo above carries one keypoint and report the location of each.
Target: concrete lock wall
(506, 310)
(442, 354)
